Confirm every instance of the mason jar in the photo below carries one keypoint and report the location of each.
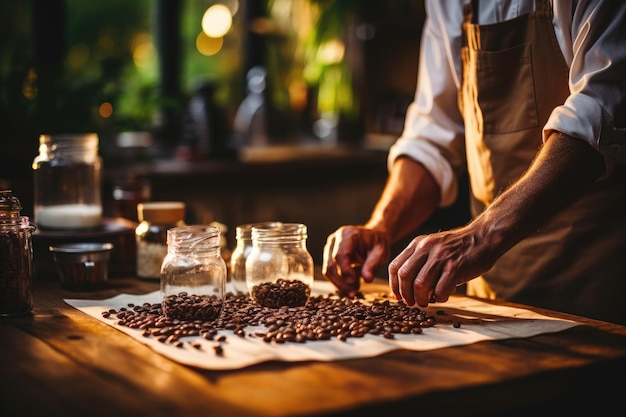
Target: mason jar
(193, 275)
(67, 180)
(16, 258)
(243, 248)
(279, 270)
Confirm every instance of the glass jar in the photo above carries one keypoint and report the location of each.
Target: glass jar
(67, 177)
(243, 235)
(279, 270)
(156, 218)
(16, 258)
(127, 193)
(193, 275)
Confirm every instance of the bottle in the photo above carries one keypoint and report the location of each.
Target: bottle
(193, 275)
(156, 218)
(279, 270)
(16, 258)
(250, 124)
(67, 177)
(243, 236)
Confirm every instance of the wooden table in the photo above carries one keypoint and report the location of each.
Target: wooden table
(61, 362)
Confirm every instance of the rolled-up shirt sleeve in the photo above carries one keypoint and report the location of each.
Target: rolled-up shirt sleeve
(433, 131)
(595, 110)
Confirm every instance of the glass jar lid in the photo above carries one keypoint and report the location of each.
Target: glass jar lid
(279, 233)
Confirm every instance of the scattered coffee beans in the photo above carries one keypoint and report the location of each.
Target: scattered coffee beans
(321, 318)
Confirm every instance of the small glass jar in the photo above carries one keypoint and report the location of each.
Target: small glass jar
(156, 218)
(16, 258)
(279, 270)
(67, 179)
(193, 275)
(243, 235)
(127, 193)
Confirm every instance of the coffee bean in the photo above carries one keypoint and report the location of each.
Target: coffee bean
(219, 350)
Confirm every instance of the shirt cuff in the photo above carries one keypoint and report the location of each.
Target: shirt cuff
(429, 156)
(584, 118)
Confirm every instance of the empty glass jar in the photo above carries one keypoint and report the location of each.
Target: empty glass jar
(243, 235)
(193, 275)
(67, 178)
(279, 270)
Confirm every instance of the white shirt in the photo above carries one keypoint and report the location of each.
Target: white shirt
(592, 38)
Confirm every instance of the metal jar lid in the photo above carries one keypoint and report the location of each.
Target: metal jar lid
(161, 212)
(8, 202)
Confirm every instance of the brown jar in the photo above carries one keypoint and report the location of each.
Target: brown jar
(16, 258)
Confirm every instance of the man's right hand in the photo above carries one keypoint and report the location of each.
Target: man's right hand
(352, 252)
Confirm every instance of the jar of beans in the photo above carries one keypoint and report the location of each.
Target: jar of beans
(279, 270)
(193, 275)
(16, 257)
(155, 218)
(243, 235)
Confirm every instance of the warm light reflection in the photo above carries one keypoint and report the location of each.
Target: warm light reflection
(29, 87)
(142, 49)
(298, 95)
(140, 39)
(331, 52)
(217, 21)
(105, 110)
(142, 228)
(78, 56)
(207, 45)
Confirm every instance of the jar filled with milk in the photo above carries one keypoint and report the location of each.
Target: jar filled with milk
(67, 177)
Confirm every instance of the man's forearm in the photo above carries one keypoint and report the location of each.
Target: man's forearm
(410, 197)
(564, 170)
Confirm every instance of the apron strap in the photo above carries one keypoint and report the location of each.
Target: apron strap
(470, 12)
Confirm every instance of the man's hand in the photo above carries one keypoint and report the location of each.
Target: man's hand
(432, 266)
(353, 252)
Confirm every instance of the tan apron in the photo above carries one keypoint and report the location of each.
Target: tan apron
(514, 75)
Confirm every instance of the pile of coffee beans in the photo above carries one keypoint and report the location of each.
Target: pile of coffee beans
(321, 318)
(183, 306)
(283, 292)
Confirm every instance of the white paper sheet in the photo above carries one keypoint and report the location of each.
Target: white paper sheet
(480, 321)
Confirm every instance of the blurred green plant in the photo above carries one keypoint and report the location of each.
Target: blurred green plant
(223, 68)
(313, 49)
(97, 67)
